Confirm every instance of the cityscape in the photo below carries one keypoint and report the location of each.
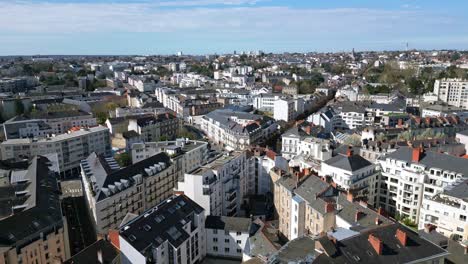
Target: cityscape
(243, 131)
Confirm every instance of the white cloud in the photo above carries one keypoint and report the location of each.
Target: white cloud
(238, 19)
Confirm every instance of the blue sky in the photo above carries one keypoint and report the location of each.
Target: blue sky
(216, 26)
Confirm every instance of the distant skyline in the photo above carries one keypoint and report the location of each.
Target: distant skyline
(47, 27)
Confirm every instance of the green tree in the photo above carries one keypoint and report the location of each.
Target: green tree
(123, 159)
(19, 107)
(416, 86)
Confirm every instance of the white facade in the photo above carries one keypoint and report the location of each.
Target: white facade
(294, 144)
(411, 175)
(71, 147)
(447, 211)
(452, 91)
(284, 109)
(361, 177)
(218, 186)
(226, 242)
(111, 195)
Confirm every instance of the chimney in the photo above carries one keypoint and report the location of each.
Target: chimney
(376, 243)
(401, 236)
(417, 154)
(329, 207)
(358, 216)
(306, 171)
(350, 196)
(349, 151)
(99, 256)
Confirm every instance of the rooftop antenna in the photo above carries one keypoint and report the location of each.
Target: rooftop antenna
(407, 46)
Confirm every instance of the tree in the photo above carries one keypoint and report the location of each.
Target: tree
(123, 159)
(19, 107)
(102, 117)
(416, 86)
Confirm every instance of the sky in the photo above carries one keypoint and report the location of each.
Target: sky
(144, 27)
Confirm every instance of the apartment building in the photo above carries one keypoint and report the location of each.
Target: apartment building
(261, 162)
(187, 155)
(353, 173)
(411, 174)
(153, 128)
(226, 237)
(308, 205)
(299, 141)
(170, 232)
(265, 102)
(452, 91)
(447, 211)
(70, 147)
(237, 130)
(326, 118)
(31, 221)
(284, 109)
(219, 186)
(62, 121)
(30, 128)
(112, 192)
(391, 243)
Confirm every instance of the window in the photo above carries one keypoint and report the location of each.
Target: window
(238, 242)
(238, 233)
(226, 232)
(215, 231)
(462, 217)
(215, 239)
(226, 250)
(215, 249)
(226, 240)
(239, 250)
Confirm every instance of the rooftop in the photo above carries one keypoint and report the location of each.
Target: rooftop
(238, 224)
(164, 222)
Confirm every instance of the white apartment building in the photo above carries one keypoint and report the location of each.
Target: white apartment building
(265, 102)
(170, 232)
(218, 186)
(61, 122)
(112, 192)
(237, 130)
(326, 118)
(187, 155)
(70, 147)
(226, 237)
(297, 142)
(411, 175)
(353, 173)
(448, 211)
(259, 181)
(31, 128)
(284, 109)
(152, 128)
(452, 91)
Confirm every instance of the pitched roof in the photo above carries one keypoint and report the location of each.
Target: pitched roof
(349, 163)
(433, 160)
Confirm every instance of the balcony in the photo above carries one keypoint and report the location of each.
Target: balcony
(231, 207)
(232, 197)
